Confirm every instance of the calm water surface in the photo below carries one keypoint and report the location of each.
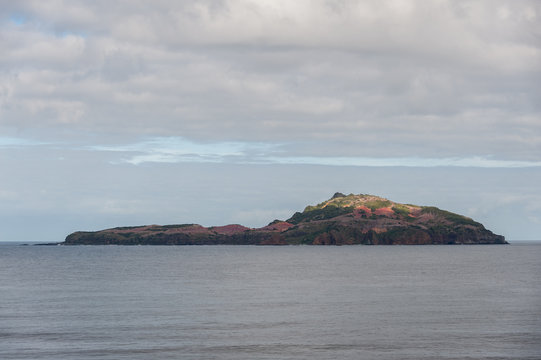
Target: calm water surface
(294, 302)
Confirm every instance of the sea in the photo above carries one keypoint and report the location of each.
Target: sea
(267, 302)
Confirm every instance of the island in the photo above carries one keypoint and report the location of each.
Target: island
(341, 220)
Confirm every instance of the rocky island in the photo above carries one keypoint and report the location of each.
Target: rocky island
(341, 220)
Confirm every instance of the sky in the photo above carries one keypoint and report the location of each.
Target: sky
(116, 113)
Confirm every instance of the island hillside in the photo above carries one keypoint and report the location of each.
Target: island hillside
(341, 220)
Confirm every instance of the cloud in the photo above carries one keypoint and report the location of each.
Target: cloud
(179, 150)
(279, 71)
(15, 142)
(477, 162)
(172, 150)
(448, 79)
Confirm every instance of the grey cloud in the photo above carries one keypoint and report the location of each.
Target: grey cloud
(282, 71)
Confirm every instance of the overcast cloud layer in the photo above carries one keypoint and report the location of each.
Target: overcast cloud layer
(332, 83)
(379, 78)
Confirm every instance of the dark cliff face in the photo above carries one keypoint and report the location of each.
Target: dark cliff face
(341, 220)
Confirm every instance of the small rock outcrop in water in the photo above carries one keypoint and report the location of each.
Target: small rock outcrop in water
(341, 220)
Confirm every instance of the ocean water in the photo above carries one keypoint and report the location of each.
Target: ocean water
(292, 302)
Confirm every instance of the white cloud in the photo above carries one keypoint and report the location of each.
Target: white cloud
(173, 150)
(476, 162)
(13, 142)
(179, 150)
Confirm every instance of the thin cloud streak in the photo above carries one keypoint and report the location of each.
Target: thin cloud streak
(474, 162)
(14, 142)
(179, 150)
